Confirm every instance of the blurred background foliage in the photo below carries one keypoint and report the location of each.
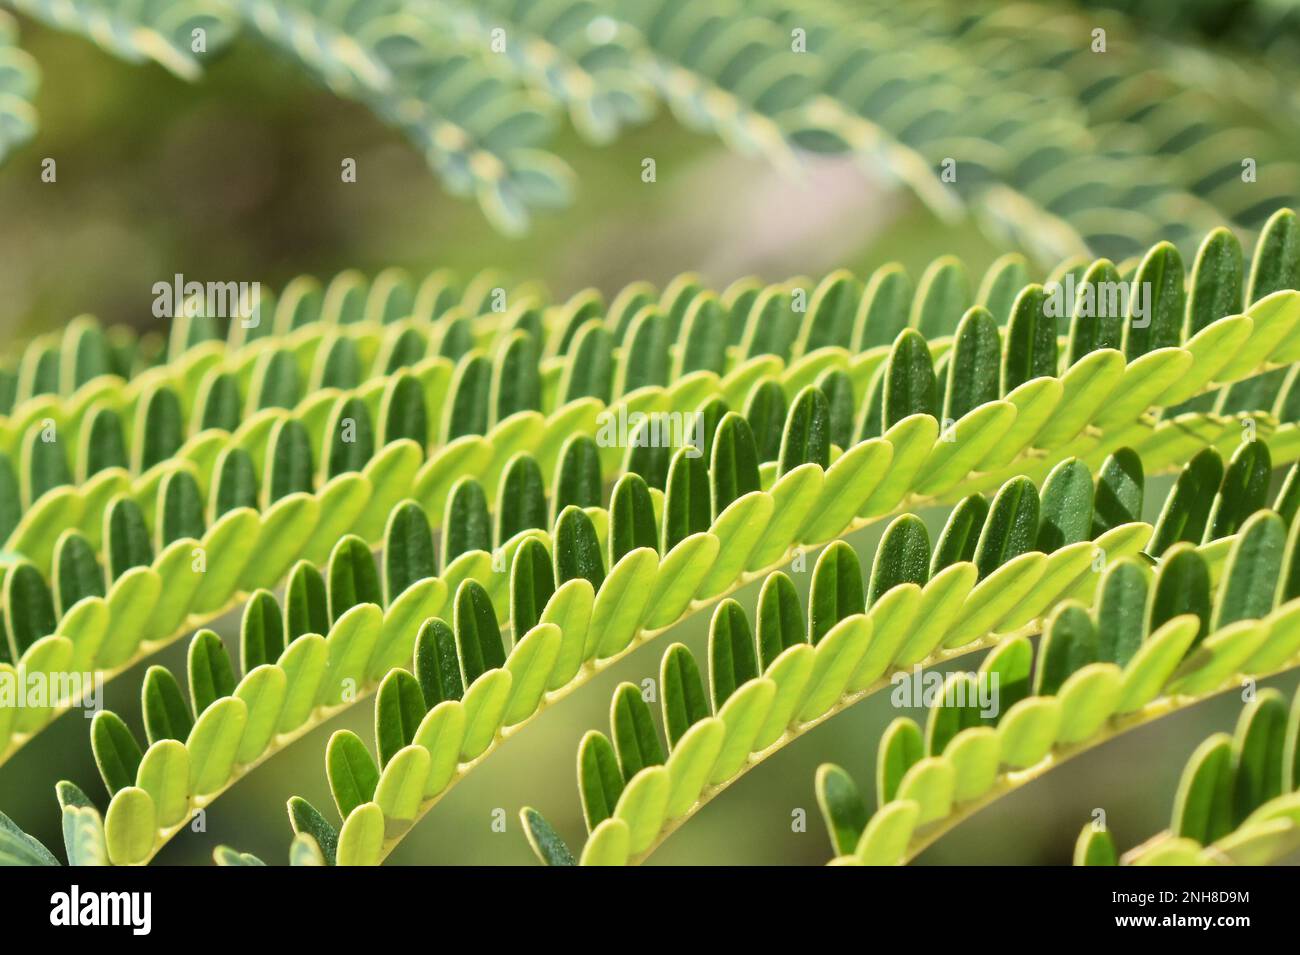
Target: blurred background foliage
(237, 177)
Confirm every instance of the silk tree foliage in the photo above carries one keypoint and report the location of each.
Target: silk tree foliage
(525, 543)
(1034, 138)
(1149, 643)
(1000, 570)
(19, 78)
(127, 550)
(1236, 802)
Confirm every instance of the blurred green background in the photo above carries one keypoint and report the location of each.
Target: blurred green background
(237, 178)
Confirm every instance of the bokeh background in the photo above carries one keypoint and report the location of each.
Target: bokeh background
(237, 178)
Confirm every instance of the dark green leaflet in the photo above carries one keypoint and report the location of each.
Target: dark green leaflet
(843, 807)
(1156, 304)
(77, 572)
(408, 549)
(437, 664)
(404, 351)
(47, 464)
(837, 386)
(546, 842)
(289, 465)
(1244, 490)
(577, 549)
(128, 538)
(1254, 566)
(210, 673)
(466, 524)
(975, 365)
(1258, 754)
(166, 715)
(942, 298)
(275, 381)
(807, 436)
(28, 610)
(1119, 493)
(646, 359)
(399, 708)
(734, 463)
(1098, 317)
(635, 738)
(516, 385)
(1011, 528)
(687, 504)
(402, 411)
(684, 700)
(765, 410)
(1070, 643)
(339, 365)
(909, 382)
(1215, 282)
(708, 419)
(731, 651)
(353, 578)
(703, 340)
(1065, 515)
(960, 533)
(181, 508)
(631, 518)
(590, 369)
(1182, 586)
(832, 310)
(1277, 257)
(883, 310)
(1030, 350)
(600, 782)
(647, 458)
(903, 556)
(836, 590)
(780, 618)
(532, 583)
(219, 403)
(103, 442)
(236, 481)
(470, 393)
(578, 480)
(1203, 805)
(478, 636)
(352, 437)
(11, 510)
(901, 748)
(352, 772)
(1121, 612)
(521, 500)
(1002, 283)
(1187, 508)
(262, 631)
(306, 602)
(116, 751)
(306, 819)
(160, 429)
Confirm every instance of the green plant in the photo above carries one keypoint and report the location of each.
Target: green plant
(1032, 505)
(1236, 801)
(478, 89)
(836, 433)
